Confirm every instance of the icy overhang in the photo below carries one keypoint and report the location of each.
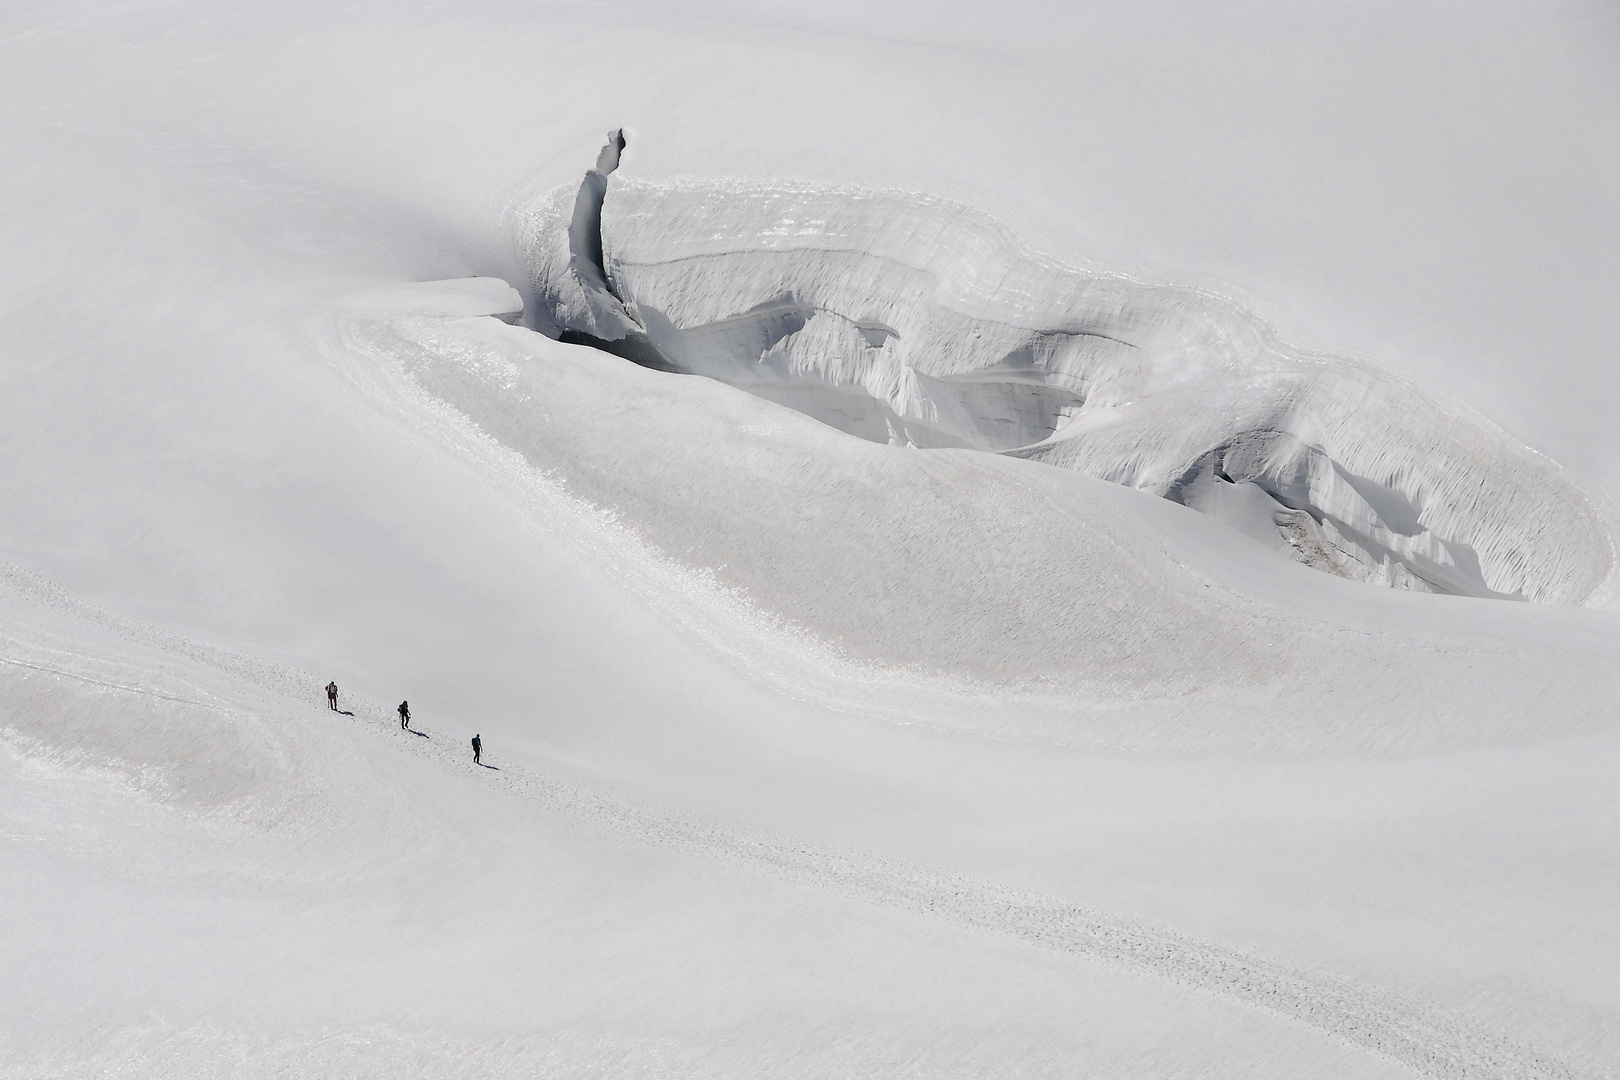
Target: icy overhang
(912, 320)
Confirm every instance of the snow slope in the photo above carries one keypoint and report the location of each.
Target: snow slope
(812, 755)
(298, 877)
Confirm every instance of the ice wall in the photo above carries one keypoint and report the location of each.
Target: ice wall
(912, 320)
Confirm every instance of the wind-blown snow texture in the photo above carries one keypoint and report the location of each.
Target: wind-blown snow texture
(912, 320)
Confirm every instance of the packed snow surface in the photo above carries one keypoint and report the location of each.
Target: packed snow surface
(915, 321)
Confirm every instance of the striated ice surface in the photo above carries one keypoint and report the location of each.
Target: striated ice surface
(912, 320)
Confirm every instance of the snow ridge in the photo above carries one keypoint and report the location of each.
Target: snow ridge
(908, 319)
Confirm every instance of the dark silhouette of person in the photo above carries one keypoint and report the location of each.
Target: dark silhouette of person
(405, 715)
(478, 750)
(331, 695)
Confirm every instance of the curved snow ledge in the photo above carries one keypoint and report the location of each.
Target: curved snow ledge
(911, 320)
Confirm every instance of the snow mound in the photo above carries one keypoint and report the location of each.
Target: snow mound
(911, 320)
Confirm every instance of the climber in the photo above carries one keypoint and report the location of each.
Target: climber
(331, 695)
(405, 715)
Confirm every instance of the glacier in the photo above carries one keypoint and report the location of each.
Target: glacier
(834, 726)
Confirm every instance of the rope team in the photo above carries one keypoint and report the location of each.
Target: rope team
(404, 711)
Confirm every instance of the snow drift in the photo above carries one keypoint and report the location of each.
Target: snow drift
(912, 320)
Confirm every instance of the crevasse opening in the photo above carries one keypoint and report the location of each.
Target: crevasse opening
(907, 319)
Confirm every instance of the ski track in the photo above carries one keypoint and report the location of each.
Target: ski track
(1432, 1042)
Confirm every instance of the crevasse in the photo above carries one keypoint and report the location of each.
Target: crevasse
(913, 320)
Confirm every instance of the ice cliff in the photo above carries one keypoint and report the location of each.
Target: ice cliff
(913, 320)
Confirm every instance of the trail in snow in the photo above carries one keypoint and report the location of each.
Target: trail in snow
(117, 686)
(1431, 1042)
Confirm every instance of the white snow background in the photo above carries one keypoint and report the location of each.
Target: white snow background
(813, 757)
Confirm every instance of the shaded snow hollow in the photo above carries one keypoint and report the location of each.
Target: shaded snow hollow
(911, 320)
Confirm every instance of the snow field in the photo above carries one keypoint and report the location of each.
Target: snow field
(239, 803)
